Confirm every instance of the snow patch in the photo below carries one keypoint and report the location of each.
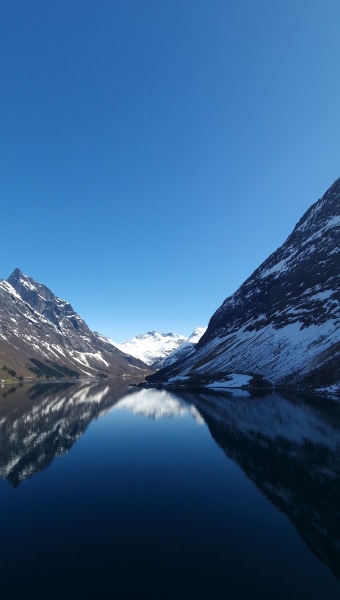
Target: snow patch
(237, 380)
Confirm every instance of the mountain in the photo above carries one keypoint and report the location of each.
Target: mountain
(152, 347)
(282, 326)
(185, 347)
(160, 349)
(42, 336)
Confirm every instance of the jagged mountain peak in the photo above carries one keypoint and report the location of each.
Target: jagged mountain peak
(158, 349)
(152, 347)
(39, 297)
(17, 277)
(16, 274)
(41, 335)
(32, 291)
(186, 346)
(157, 334)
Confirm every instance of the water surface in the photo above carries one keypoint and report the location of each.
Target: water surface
(110, 491)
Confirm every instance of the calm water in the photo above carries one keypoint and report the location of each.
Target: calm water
(115, 492)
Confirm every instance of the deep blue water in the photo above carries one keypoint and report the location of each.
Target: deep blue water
(108, 491)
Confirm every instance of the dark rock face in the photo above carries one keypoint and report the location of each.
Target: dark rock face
(287, 287)
(36, 294)
(55, 310)
(41, 335)
(284, 322)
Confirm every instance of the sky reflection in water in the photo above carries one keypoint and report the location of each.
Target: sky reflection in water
(167, 495)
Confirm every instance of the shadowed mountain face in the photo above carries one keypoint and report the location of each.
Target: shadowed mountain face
(290, 448)
(283, 323)
(42, 336)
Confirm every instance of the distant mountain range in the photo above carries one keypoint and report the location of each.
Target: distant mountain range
(42, 336)
(282, 326)
(160, 349)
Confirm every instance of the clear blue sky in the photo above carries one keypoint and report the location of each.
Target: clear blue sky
(154, 153)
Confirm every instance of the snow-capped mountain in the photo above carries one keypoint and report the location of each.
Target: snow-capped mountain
(41, 335)
(283, 324)
(152, 347)
(185, 347)
(156, 349)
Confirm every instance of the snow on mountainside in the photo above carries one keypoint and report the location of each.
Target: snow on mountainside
(185, 347)
(41, 335)
(152, 347)
(283, 323)
(158, 349)
(196, 335)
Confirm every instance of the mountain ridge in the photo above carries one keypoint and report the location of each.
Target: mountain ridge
(283, 323)
(158, 349)
(42, 336)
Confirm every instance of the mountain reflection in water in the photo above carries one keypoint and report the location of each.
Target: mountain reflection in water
(289, 448)
(42, 421)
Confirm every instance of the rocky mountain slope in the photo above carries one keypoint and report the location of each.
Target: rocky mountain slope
(42, 336)
(157, 349)
(283, 324)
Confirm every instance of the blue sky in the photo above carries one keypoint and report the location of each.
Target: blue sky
(154, 153)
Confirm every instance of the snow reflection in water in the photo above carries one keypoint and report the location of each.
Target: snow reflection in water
(158, 404)
(161, 479)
